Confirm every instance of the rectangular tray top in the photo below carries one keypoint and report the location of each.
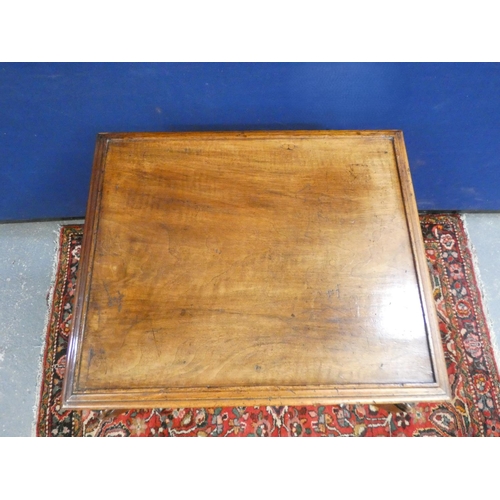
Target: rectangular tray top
(252, 268)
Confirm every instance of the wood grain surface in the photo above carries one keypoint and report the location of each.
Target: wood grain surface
(252, 268)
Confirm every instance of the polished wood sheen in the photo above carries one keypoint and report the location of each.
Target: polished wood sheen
(253, 268)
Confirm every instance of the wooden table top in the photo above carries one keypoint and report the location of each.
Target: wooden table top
(252, 268)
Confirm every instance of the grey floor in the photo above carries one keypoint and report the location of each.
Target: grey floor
(27, 259)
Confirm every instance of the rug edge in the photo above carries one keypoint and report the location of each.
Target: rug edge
(480, 286)
(63, 233)
(479, 296)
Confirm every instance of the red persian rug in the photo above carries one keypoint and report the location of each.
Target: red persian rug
(473, 374)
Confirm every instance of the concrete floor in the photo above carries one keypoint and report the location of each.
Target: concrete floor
(27, 258)
(27, 266)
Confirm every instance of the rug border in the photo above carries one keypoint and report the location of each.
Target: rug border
(478, 303)
(54, 308)
(63, 259)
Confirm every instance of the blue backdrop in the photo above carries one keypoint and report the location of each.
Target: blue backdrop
(51, 113)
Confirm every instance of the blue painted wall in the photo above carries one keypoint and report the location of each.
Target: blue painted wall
(51, 113)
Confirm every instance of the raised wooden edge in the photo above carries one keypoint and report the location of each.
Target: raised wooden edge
(253, 134)
(72, 398)
(85, 269)
(249, 396)
(423, 277)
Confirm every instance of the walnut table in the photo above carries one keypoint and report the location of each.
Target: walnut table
(252, 268)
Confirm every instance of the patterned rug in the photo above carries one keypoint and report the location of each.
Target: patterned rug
(472, 371)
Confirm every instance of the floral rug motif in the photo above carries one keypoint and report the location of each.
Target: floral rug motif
(474, 410)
